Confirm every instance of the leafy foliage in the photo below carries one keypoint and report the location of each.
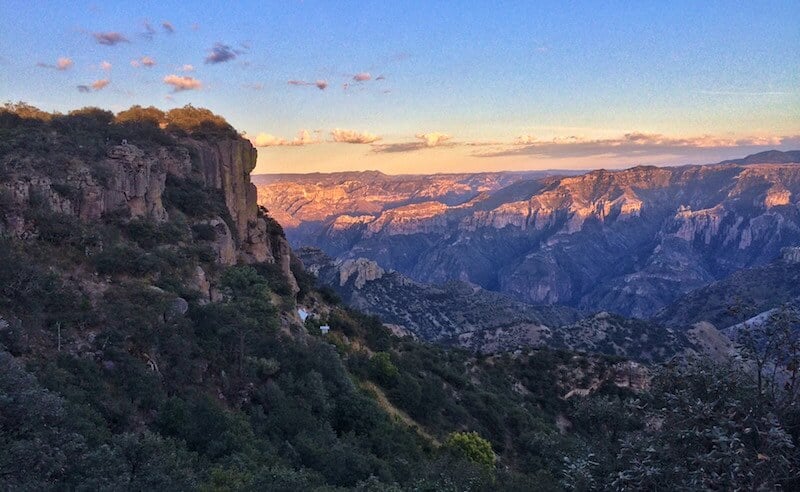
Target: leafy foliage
(472, 446)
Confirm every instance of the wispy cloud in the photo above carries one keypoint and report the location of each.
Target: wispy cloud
(63, 63)
(630, 144)
(149, 31)
(362, 77)
(182, 83)
(109, 38)
(304, 137)
(220, 53)
(94, 86)
(353, 137)
(746, 93)
(254, 86)
(144, 61)
(424, 141)
(319, 84)
(433, 139)
(105, 66)
(187, 68)
(168, 27)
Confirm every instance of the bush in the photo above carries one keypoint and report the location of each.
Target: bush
(472, 446)
(127, 259)
(137, 114)
(64, 230)
(204, 232)
(277, 281)
(198, 122)
(382, 370)
(148, 233)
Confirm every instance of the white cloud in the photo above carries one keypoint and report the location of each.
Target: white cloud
(304, 137)
(182, 82)
(352, 136)
(100, 84)
(143, 61)
(433, 139)
(64, 63)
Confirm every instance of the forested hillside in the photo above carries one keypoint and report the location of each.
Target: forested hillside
(150, 340)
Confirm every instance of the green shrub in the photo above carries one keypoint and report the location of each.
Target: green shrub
(472, 446)
(127, 259)
(383, 370)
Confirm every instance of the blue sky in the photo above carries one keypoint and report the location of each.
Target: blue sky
(453, 86)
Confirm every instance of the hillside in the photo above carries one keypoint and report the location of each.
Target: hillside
(449, 313)
(149, 340)
(740, 296)
(460, 315)
(627, 241)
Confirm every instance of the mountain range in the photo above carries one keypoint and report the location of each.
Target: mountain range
(627, 241)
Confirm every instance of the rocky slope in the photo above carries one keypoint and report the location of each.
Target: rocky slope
(741, 296)
(458, 314)
(447, 313)
(625, 241)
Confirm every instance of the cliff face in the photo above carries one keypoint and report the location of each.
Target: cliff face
(130, 181)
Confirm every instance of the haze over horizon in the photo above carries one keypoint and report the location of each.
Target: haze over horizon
(423, 88)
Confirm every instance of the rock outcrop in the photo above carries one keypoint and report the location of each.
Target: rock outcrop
(130, 181)
(363, 269)
(791, 255)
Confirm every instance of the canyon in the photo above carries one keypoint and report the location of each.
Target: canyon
(627, 242)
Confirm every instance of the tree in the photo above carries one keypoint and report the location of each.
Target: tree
(383, 370)
(773, 347)
(199, 121)
(138, 114)
(707, 429)
(472, 446)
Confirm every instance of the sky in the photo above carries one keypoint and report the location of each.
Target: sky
(417, 87)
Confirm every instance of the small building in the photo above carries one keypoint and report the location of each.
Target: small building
(303, 314)
(324, 329)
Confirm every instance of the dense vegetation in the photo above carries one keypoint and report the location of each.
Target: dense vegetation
(117, 374)
(86, 132)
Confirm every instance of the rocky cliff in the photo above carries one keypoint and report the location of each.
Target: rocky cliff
(157, 183)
